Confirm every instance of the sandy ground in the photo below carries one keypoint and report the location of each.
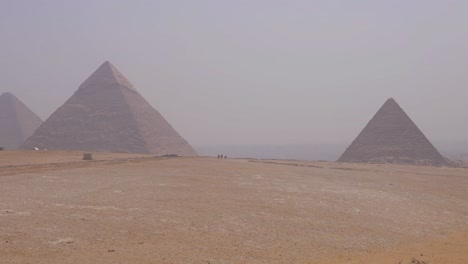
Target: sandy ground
(122, 208)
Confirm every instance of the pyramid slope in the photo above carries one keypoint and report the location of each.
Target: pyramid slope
(392, 137)
(107, 114)
(17, 121)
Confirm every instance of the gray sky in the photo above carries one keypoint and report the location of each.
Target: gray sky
(250, 71)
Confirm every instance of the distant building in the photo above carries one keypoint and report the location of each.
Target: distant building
(392, 137)
(107, 114)
(17, 122)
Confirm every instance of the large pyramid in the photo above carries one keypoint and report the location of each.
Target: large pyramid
(107, 114)
(17, 122)
(392, 137)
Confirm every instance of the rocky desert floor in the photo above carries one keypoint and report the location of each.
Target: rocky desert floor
(122, 208)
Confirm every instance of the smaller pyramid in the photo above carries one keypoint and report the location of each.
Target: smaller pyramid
(17, 122)
(392, 137)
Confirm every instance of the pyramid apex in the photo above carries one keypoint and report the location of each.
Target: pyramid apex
(391, 100)
(107, 73)
(391, 103)
(109, 68)
(7, 94)
(107, 63)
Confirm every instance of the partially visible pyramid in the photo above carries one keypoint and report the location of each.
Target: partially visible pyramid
(17, 122)
(392, 137)
(107, 114)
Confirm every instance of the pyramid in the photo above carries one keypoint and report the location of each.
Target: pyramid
(392, 137)
(107, 114)
(17, 122)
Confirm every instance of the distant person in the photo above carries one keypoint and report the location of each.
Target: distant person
(225, 157)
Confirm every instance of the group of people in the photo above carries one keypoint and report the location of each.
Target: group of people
(222, 157)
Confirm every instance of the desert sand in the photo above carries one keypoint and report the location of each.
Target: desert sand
(125, 208)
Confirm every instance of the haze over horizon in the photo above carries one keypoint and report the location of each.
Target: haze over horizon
(250, 72)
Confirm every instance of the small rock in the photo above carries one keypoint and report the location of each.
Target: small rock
(63, 241)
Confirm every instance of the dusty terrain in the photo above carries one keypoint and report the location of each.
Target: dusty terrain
(56, 208)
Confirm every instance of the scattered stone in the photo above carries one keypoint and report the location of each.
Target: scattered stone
(415, 261)
(63, 241)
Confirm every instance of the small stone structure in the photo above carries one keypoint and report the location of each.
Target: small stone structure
(87, 156)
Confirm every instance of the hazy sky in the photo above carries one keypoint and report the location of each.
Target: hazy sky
(250, 71)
